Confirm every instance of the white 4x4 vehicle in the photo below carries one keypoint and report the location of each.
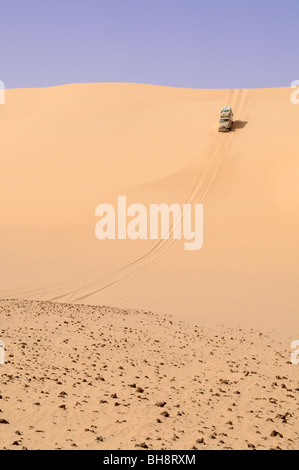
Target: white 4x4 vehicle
(226, 119)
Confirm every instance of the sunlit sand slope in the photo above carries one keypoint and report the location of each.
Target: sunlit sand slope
(64, 150)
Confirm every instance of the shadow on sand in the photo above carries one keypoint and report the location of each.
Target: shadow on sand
(239, 125)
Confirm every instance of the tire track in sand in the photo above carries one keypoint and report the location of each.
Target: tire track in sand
(209, 165)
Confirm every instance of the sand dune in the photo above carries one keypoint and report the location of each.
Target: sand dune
(67, 149)
(101, 378)
(215, 353)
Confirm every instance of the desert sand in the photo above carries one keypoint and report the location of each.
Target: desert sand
(64, 150)
(92, 377)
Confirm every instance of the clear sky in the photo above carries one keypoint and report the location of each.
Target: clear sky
(185, 43)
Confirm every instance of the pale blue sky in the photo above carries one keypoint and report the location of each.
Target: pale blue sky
(185, 43)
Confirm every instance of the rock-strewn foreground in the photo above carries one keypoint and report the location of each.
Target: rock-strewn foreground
(102, 378)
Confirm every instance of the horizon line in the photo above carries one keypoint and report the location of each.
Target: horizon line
(143, 84)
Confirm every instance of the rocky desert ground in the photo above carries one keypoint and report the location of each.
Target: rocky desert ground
(95, 377)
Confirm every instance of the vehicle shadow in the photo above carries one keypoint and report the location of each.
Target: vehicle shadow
(239, 125)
